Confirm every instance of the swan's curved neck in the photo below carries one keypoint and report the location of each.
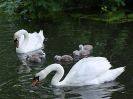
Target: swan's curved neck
(57, 77)
(26, 36)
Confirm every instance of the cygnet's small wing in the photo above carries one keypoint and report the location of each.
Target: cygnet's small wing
(88, 47)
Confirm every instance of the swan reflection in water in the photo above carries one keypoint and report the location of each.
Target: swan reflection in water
(30, 59)
(102, 91)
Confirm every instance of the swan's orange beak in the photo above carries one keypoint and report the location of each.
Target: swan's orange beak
(34, 82)
(17, 43)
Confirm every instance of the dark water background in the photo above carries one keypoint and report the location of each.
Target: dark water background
(114, 41)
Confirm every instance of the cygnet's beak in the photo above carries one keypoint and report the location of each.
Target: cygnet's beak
(17, 43)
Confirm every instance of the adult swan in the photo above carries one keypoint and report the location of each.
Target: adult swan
(87, 71)
(27, 42)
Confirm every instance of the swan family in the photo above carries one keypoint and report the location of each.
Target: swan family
(88, 70)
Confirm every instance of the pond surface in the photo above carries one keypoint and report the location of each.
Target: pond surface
(114, 41)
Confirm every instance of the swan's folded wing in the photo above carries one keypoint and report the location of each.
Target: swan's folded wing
(87, 69)
(36, 41)
(41, 35)
(110, 75)
(38, 37)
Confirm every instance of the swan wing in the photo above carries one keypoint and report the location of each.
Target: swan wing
(35, 41)
(87, 69)
(37, 37)
(109, 75)
(41, 35)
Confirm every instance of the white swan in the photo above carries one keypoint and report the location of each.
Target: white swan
(87, 71)
(27, 42)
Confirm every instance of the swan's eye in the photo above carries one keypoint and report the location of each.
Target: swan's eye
(36, 78)
(15, 40)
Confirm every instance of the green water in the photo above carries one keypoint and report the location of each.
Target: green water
(113, 41)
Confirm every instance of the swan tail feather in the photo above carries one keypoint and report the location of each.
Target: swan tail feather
(110, 75)
(113, 73)
(41, 34)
